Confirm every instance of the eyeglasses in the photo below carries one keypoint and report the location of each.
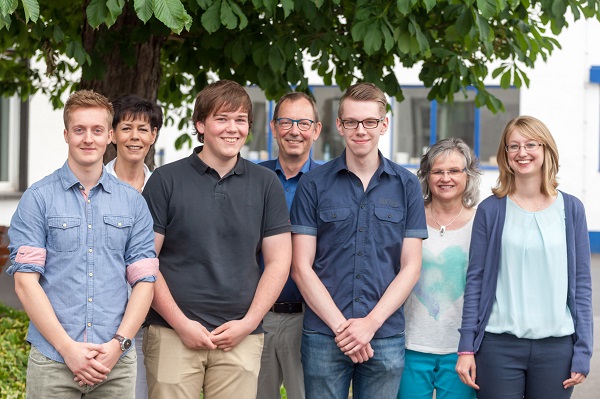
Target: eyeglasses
(451, 172)
(529, 147)
(287, 123)
(367, 123)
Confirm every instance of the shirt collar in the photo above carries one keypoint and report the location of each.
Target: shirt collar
(69, 179)
(305, 168)
(385, 165)
(202, 168)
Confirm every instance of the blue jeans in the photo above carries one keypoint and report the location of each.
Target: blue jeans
(328, 372)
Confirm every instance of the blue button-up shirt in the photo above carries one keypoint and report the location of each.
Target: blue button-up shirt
(86, 249)
(359, 234)
(290, 292)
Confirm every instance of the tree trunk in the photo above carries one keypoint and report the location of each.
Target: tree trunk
(121, 75)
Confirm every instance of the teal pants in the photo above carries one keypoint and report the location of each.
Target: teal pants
(426, 372)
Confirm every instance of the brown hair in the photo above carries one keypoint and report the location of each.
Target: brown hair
(533, 129)
(87, 99)
(224, 95)
(295, 96)
(364, 92)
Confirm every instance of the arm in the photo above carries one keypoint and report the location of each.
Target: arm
(193, 334)
(354, 334)
(40, 311)
(277, 254)
(314, 292)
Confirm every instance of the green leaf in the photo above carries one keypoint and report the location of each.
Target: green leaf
(57, 34)
(288, 7)
(228, 18)
(429, 4)
(32, 10)
(359, 30)
(5, 22)
(115, 9)
(75, 50)
(405, 6)
(276, 60)
(182, 140)
(238, 11)
(171, 13)
(7, 7)
(143, 9)
(505, 79)
(211, 18)
(373, 38)
(487, 8)
(96, 12)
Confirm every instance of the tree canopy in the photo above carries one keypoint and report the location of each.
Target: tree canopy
(169, 49)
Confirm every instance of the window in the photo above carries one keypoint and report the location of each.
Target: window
(420, 123)
(259, 145)
(9, 144)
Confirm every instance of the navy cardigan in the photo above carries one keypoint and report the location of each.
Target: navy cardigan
(482, 277)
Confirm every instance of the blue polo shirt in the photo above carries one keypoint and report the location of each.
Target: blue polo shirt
(290, 292)
(359, 234)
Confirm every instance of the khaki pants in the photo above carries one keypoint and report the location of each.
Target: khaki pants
(47, 378)
(176, 372)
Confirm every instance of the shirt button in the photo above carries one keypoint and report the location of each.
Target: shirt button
(89, 324)
(81, 187)
(91, 274)
(389, 216)
(361, 229)
(89, 299)
(362, 206)
(90, 250)
(119, 224)
(357, 184)
(358, 276)
(334, 215)
(64, 225)
(287, 189)
(359, 253)
(88, 201)
(357, 300)
(89, 226)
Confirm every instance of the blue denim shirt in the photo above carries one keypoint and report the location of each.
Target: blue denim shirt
(359, 234)
(290, 292)
(86, 249)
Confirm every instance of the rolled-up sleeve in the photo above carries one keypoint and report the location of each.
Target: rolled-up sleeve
(140, 255)
(304, 210)
(27, 236)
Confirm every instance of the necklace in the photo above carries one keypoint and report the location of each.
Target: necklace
(522, 207)
(443, 227)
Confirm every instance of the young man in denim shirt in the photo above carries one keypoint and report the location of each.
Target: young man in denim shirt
(358, 222)
(78, 239)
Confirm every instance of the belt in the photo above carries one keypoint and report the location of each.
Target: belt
(287, 307)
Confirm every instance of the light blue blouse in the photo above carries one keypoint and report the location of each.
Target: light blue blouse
(531, 295)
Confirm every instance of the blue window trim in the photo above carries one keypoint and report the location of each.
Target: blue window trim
(595, 74)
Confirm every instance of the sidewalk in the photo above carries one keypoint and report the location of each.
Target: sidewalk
(588, 390)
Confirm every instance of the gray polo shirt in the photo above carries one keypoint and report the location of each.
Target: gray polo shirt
(213, 230)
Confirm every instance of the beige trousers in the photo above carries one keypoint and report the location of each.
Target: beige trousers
(173, 371)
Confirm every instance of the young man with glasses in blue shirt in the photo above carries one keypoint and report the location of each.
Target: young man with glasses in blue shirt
(78, 239)
(295, 126)
(358, 222)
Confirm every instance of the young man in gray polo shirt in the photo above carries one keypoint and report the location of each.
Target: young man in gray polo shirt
(214, 212)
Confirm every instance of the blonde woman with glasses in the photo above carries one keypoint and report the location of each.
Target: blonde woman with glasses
(527, 316)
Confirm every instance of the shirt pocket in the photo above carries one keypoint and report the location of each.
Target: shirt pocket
(335, 226)
(117, 231)
(63, 233)
(388, 225)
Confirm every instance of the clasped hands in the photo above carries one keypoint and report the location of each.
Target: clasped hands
(353, 337)
(91, 363)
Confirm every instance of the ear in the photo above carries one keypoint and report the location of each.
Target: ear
(339, 126)
(110, 136)
(384, 125)
(154, 134)
(65, 134)
(272, 124)
(200, 127)
(317, 133)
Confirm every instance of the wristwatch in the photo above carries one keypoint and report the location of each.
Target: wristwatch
(124, 341)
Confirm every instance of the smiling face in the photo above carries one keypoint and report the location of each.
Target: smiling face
(133, 138)
(295, 143)
(88, 133)
(522, 162)
(225, 134)
(446, 187)
(361, 142)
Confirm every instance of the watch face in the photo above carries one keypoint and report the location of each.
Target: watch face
(126, 344)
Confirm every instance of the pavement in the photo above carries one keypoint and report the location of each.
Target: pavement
(590, 389)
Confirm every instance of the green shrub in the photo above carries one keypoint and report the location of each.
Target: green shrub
(14, 351)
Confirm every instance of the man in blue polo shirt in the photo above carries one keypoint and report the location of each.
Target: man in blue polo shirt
(358, 222)
(295, 126)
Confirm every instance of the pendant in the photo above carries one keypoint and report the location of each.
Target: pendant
(442, 230)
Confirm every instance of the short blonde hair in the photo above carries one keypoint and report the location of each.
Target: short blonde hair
(533, 129)
(364, 92)
(87, 99)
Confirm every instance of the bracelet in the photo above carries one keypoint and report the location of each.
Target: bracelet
(465, 353)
